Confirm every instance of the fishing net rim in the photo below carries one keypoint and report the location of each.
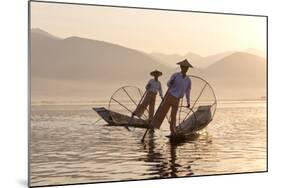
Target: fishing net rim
(211, 88)
(116, 91)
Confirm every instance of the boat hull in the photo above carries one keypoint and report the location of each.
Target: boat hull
(118, 119)
(193, 124)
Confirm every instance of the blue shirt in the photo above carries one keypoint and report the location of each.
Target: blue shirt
(180, 86)
(154, 86)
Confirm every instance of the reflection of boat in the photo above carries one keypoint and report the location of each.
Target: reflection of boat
(118, 119)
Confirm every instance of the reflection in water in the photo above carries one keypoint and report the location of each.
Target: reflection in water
(176, 159)
(166, 166)
(155, 158)
(175, 166)
(67, 148)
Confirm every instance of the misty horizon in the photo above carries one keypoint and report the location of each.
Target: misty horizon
(70, 68)
(84, 52)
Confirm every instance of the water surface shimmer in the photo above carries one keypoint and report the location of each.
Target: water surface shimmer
(67, 148)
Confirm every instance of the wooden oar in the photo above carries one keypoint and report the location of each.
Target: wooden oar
(96, 121)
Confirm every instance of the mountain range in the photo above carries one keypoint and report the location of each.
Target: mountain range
(200, 61)
(197, 60)
(79, 68)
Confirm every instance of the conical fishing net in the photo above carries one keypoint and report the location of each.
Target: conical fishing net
(124, 101)
(202, 108)
(202, 97)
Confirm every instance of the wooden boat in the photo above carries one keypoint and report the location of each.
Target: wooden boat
(126, 99)
(194, 123)
(118, 119)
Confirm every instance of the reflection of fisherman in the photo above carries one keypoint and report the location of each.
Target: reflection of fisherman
(152, 88)
(179, 85)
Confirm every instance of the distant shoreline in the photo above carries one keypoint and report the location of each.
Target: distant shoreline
(106, 102)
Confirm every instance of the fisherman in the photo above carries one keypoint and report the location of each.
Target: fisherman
(178, 86)
(152, 88)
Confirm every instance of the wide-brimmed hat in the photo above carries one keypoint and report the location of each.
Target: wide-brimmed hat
(185, 63)
(156, 73)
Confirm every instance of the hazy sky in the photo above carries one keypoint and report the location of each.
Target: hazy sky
(150, 30)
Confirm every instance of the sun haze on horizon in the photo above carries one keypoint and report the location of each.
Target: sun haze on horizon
(170, 32)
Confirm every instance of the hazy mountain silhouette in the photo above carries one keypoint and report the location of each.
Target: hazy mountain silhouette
(82, 66)
(196, 60)
(239, 64)
(78, 68)
(238, 75)
(80, 58)
(256, 52)
(167, 59)
(41, 33)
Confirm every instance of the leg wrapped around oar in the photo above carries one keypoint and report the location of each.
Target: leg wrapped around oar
(149, 100)
(168, 102)
(156, 122)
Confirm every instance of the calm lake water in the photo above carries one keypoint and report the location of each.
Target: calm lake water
(67, 148)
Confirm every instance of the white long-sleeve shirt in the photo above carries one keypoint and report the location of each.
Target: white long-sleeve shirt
(154, 86)
(180, 86)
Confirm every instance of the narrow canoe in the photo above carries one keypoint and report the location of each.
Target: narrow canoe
(118, 119)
